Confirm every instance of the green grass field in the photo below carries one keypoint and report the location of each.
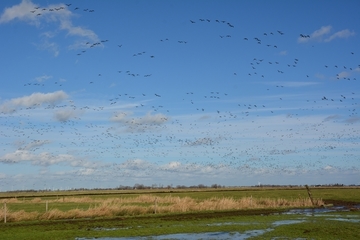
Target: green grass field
(336, 193)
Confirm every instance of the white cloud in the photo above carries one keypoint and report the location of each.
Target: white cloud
(66, 114)
(52, 47)
(33, 100)
(353, 119)
(20, 12)
(341, 34)
(86, 171)
(331, 117)
(174, 165)
(27, 12)
(136, 124)
(320, 76)
(45, 159)
(316, 35)
(202, 141)
(43, 78)
(39, 98)
(329, 168)
(34, 144)
(156, 119)
(120, 117)
(343, 74)
(66, 24)
(321, 34)
(135, 165)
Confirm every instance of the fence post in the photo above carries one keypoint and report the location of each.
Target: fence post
(155, 205)
(4, 212)
(309, 193)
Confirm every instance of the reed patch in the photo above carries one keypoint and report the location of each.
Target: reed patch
(88, 207)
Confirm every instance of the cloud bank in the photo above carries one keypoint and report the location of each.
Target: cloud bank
(40, 16)
(45, 159)
(139, 124)
(32, 101)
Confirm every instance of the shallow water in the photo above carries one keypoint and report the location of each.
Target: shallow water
(287, 222)
(345, 220)
(315, 211)
(194, 236)
(247, 234)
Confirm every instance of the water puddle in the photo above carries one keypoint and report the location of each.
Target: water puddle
(346, 218)
(317, 212)
(107, 229)
(228, 223)
(194, 236)
(286, 222)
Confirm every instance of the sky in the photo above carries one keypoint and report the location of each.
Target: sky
(101, 94)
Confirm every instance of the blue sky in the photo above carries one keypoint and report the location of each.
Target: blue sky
(108, 93)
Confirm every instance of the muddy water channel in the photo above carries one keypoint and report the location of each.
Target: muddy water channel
(295, 216)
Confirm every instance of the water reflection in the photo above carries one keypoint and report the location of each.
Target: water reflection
(244, 235)
(315, 211)
(286, 222)
(194, 236)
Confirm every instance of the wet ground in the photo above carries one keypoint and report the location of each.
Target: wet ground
(345, 204)
(333, 206)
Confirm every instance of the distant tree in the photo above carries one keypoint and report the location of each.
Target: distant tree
(122, 187)
(139, 186)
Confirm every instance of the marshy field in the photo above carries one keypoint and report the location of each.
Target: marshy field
(225, 213)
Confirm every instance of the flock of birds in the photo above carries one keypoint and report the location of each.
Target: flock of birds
(38, 11)
(221, 138)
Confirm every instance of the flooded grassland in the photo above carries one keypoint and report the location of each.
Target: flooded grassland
(336, 219)
(321, 223)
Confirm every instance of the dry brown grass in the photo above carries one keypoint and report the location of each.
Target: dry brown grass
(10, 200)
(36, 200)
(74, 200)
(18, 216)
(147, 204)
